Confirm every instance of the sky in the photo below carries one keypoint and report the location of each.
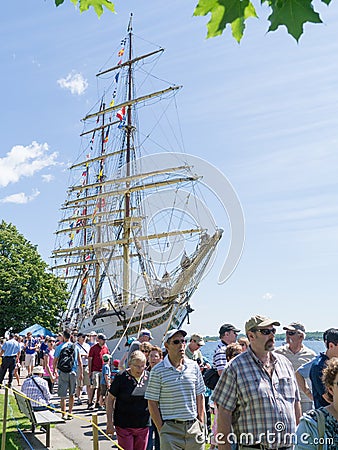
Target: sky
(263, 112)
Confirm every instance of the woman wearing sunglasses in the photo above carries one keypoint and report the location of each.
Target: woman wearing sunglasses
(127, 410)
(318, 429)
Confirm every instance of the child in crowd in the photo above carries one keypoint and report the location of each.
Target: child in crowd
(115, 368)
(105, 381)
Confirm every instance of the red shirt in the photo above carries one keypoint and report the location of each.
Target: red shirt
(96, 352)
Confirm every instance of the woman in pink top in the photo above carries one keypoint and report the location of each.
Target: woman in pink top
(49, 374)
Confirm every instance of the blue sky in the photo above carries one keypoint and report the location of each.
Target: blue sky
(263, 112)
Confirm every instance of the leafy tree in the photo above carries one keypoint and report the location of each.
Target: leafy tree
(28, 293)
(293, 14)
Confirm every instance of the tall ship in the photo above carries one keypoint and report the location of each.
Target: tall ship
(131, 243)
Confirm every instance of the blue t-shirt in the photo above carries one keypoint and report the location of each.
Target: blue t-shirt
(113, 373)
(105, 371)
(316, 373)
(30, 346)
(58, 351)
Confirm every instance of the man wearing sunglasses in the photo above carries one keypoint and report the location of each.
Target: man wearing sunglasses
(192, 350)
(298, 354)
(257, 394)
(175, 397)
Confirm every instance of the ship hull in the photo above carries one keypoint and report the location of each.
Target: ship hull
(128, 321)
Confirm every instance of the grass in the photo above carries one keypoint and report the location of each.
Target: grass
(14, 420)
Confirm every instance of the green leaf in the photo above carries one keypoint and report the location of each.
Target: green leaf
(293, 14)
(238, 25)
(224, 12)
(327, 2)
(97, 5)
(59, 2)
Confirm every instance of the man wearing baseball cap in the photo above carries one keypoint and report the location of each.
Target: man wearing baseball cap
(175, 397)
(144, 336)
(95, 363)
(228, 335)
(258, 394)
(36, 388)
(192, 350)
(298, 354)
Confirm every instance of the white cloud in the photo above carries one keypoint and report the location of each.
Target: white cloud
(25, 162)
(267, 296)
(47, 178)
(74, 82)
(20, 198)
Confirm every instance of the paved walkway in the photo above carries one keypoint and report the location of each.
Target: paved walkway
(76, 433)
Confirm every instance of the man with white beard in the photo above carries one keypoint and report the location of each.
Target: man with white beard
(298, 354)
(257, 394)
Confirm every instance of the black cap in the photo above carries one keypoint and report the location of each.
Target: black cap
(227, 327)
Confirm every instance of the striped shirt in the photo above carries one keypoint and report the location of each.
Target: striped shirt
(175, 390)
(262, 407)
(219, 359)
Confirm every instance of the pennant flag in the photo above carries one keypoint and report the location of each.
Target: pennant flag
(106, 137)
(121, 52)
(117, 77)
(87, 257)
(112, 103)
(121, 113)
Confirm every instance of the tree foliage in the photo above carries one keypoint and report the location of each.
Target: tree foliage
(84, 5)
(28, 293)
(293, 14)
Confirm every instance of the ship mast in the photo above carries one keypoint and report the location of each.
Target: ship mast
(126, 225)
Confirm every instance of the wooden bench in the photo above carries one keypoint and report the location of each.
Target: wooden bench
(37, 418)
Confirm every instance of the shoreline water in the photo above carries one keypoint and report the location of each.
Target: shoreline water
(210, 346)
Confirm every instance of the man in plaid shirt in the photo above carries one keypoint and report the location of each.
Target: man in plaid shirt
(257, 394)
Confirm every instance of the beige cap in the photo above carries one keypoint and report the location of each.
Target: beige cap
(197, 338)
(259, 322)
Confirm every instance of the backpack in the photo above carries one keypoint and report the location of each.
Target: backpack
(66, 358)
(211, 378)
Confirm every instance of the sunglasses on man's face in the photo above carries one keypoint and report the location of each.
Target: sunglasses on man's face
(291, 333)
(178, 341)
(267, 331)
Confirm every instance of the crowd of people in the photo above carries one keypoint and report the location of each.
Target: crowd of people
(156, 397)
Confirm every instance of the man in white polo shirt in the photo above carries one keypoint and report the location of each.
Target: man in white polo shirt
(298, 354)
(175, 397)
